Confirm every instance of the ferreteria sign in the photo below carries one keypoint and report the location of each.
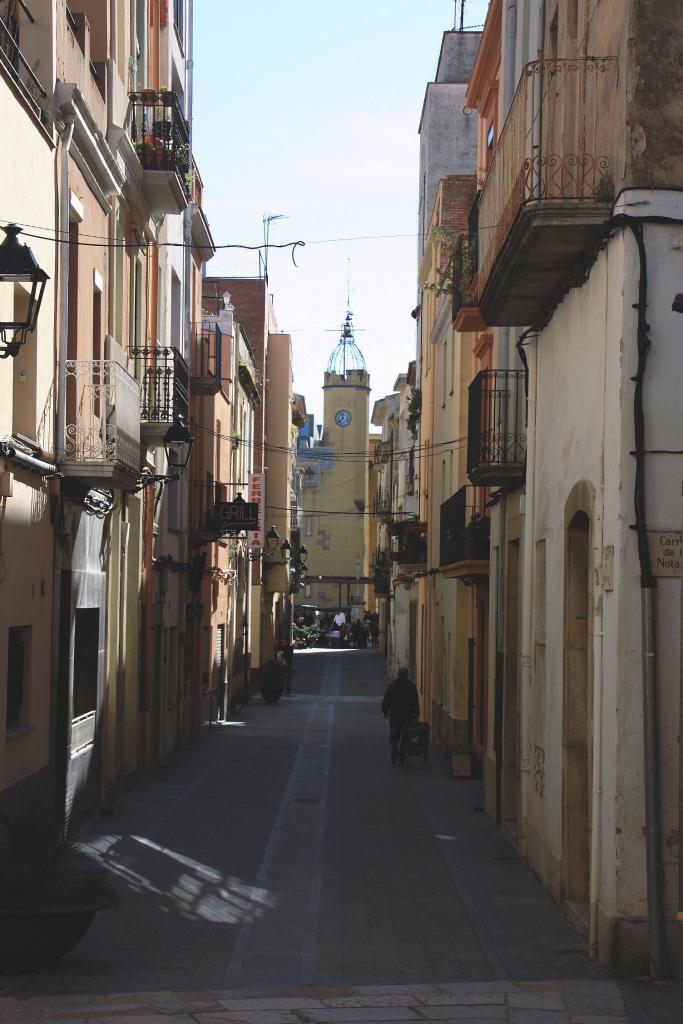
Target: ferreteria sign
(665, 552)
(235, 516)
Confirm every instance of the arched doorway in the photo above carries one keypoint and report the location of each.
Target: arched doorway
(577, 719)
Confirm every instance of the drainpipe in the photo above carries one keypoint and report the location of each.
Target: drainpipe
(510, 53)
(598, 635)
(64, 251)
(502, 363)
(529, 362)
(596, 802)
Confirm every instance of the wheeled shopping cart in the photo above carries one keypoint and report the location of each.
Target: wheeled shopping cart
(414, 742)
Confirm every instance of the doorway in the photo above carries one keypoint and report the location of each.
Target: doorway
(577, 720)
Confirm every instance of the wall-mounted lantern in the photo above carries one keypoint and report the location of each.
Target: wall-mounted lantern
(18, 266)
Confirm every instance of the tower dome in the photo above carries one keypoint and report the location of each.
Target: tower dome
(346, 356)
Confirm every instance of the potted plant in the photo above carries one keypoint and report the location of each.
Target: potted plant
(476, 536)
(273, 680)
(50, 890)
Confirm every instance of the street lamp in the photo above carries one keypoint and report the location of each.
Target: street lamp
(272, 538)
(286, 550)
(178, 443)
(18, 266)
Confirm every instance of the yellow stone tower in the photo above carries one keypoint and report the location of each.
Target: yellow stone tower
(335, 482)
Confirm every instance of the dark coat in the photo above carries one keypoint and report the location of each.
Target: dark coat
(401, 700)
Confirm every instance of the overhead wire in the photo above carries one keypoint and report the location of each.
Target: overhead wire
(360, 454)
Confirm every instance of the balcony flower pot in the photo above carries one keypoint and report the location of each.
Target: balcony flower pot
(476, 538)
(167, 97)
(272, 681)
(149, 97)
(49, 890)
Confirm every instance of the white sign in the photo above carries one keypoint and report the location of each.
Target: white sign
(665, 552)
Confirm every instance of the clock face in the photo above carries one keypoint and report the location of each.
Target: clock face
(343, 418)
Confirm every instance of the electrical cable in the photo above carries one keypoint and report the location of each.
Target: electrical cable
(362, 455)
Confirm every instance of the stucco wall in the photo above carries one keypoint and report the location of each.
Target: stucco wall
(586, 358)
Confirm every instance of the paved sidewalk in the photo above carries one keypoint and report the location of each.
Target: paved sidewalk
(283, 871)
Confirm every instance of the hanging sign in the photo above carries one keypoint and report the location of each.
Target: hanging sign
(238, 515)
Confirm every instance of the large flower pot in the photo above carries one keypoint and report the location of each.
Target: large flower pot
(272, 694)
(34, 938)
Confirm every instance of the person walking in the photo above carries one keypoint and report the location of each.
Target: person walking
(400, 705)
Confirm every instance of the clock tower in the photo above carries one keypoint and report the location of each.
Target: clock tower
(335, 502)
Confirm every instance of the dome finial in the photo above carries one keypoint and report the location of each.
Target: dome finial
(346, 355)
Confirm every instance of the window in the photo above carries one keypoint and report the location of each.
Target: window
(18, 668)
(24, 374)
(490, 138)
(86, 661)
(176, 311)
(179, 18)
(98, 375)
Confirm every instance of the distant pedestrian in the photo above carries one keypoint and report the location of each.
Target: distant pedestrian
(374, 632)
(401, 705)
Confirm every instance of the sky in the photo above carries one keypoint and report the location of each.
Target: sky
(310, 111)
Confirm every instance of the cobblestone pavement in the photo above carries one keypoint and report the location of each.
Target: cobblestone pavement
(283, 871)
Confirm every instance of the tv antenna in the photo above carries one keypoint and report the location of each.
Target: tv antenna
(462, 16)
(268, 219)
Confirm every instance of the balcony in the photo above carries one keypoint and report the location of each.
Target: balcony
(102, 432)
(201, 232)
(382, 452)
(549, 190)
(463, 540)
(382, 504)
(17, 68)
(381, 573)
(160, 135)
(164, 390)
(409, 544)
(496, 429)
(206, 361)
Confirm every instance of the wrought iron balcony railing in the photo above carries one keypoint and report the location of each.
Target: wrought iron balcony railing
(409, 542)
(382, 452)
(496, 428)
(206, 360)
(15, 63)
(555, 146)
(160, 134)
(464, 534)
(164, 387)
(102, 431)
(382, 504)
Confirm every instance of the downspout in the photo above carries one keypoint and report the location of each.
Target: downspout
(594, 885)
(648, 591)
(527, 586)
(64, 252)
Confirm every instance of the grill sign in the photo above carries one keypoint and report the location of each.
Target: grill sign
(238, 515)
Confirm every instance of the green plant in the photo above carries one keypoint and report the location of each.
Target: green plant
(308, 635)
(42, 866)
(414, 410)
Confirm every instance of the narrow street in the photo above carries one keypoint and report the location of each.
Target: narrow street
(284, 871)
